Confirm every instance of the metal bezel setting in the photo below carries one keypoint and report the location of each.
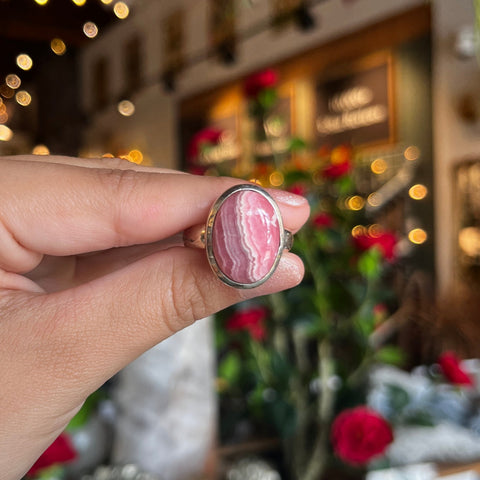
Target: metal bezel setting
(284, 241)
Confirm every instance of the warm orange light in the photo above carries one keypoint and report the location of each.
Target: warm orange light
(41, 2)
(135, 156)
(276, 179)
(355, 203)
(358, 230)
(41, 150)
(58, 46)
(121, 10)
(23, 98)
(6, 91)
(412, 153)
(379, 166)
(13, 81)
(418, 192)
(5, 133)
(417, 236)
(24, 61)
(126, 108)
(90, 29)
(79, 3)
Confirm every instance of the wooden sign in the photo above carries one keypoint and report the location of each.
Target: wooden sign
(356, 108)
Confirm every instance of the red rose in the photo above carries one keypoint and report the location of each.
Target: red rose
(207, 136)
(60, 451)
(322, 220)
(385, 241)
(360, 434)
(336, 170)
(251, 320)
(257, 82)
(451, 369)
(297, 189)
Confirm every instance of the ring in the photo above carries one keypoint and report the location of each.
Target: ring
(244, 236)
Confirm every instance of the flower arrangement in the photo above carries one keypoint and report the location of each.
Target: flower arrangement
(296, 364)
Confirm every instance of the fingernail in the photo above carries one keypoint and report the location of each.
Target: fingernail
(287, 198)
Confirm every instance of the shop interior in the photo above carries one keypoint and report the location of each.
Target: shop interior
(370, 368)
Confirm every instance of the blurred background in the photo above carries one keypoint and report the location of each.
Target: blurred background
(371, 109)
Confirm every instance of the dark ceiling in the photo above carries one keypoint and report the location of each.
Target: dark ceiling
(26, 27)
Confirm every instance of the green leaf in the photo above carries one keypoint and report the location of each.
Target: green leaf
(297, 144)
(230, 367)
(420, 418)
(82, 417)
(267, 98)
(369, 263)
(391, 355)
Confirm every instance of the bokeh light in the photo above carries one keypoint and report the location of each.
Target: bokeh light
(5, 133)
(13, 81)
(355, 203)
(358, 230)
(24, 61)
(23, 98)
(412, 153)
(41, 2)
(41, 150)
(418, 192)
(121, 10)
(417, 236)
(107, 2)
(126, 108)
(135, 156)
(276, 179)
(6, 91)
(375, 199)
(90, 29)
(379, 166)
(79, 3)
(58, 46)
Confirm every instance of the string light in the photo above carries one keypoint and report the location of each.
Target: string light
(41, 150)
(276, 179)
(6, 91)
(5, 133)
(135, 156)
(358, 230)
(23, 98)
(13, 81)
(58, 46)
(79, 3)
(24, 61)
(411, 153)
(378, 166)
(126, 108)
(418, 192)
(121, 10)
(417, 236)
(41, 2)
(355, 203)
(90, 29)
(107, 2)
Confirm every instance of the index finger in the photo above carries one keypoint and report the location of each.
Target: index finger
(61, 209)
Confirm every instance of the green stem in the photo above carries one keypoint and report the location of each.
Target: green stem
(319, 457)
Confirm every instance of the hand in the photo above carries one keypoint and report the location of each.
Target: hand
(92, 274)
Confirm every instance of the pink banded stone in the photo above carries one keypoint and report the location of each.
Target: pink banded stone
(246, 237)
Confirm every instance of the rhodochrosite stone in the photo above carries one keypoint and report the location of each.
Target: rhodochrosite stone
(246, 237)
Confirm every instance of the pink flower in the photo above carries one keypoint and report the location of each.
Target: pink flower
(452, 370)
(322, 220)
(60, 451)
(257, 82)
(359, 435)
(385, 241)
(251, 320)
